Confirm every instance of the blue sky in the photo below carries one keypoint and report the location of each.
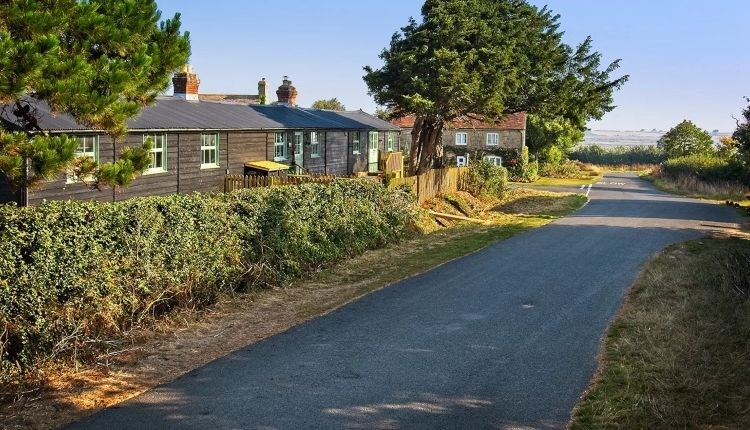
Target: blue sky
(687, 58)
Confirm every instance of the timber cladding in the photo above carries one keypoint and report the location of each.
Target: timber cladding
(202, 142)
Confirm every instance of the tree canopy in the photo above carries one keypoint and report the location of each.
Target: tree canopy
(685, 138)
(487, 58)
(742, 134)
(99, 60)
(330, 104)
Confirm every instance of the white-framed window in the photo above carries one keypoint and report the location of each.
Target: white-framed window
(494, 159)
(298, 142)
(158, 162)
(493, 139)
(390, 142)
(462, 139)
(356, 148)
(88, 146)
(210, 150)
(279, 147)
(314, 144)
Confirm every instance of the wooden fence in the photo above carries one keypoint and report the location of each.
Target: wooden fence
(434, 182)
(238, 182)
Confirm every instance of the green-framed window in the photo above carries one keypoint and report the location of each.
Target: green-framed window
(280, 147)
(314, 144)
(88, 146)
(210, 151)
(356, 143)
(158, 162)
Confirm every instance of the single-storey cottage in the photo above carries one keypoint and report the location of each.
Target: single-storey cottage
(197, 142)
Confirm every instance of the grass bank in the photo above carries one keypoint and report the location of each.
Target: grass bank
(678, 354)
(188, 339)
(691, 186)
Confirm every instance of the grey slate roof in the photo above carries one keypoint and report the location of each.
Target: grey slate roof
(169, 113)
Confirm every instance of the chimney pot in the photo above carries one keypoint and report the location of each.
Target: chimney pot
(286, 93)
(186, 83)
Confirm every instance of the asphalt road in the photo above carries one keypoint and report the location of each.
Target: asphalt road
(504, 338)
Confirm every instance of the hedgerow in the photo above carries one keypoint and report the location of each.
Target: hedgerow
(619, 155)
(75, 275)
(710, 168)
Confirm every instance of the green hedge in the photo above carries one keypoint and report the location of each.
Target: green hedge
(74, 274)
(618, 155)
(708, 168)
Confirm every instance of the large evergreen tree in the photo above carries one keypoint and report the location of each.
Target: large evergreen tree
(99, 60)
(488, 58)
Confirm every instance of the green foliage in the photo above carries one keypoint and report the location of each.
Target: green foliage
(74, 275)
(487, 58)
(567, 170)
(742, 134)
(552, 155)
(523, 170)
(100, 61)
(330, 104)
(618, 155)
(559, 133)
(728, 148)
(710, 168)
(685, 139)
(485, 178)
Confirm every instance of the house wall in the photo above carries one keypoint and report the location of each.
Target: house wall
(477, 139)
(357, 162)
(244, 147)
(337, 153)
(184, 173)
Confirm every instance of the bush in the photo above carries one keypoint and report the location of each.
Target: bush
(619, 155)
(485, 178)
(74, 274)
(710, 168)
(524, 170)
(553, 156)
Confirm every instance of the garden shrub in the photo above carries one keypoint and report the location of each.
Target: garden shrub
(75, 274)
(524, 170)
(485, 178)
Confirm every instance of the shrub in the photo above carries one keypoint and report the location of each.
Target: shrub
(709, 168)
(553, 156)
(619, 155)
(524, 170)
(74, 274)
(485, 178)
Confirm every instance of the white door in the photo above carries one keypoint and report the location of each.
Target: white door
(299, 155)
(372, 153)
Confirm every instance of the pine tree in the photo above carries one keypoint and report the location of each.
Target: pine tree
(100, 61)
(487, 58)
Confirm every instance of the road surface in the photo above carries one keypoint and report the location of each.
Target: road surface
(503, 338)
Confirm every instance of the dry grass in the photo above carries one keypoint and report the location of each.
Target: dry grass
(186, 341)
(691, 186)
(678, 354)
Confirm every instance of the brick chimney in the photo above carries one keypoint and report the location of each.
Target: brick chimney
(286, 93)
(263, 92)
(186, 83)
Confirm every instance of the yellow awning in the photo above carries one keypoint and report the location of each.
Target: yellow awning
(267, 166)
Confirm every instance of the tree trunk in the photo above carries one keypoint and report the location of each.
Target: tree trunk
(426, 147)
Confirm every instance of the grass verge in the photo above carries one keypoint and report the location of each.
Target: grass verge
(186, 340)
(693, 187)
(560, 182)
(678, 354)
